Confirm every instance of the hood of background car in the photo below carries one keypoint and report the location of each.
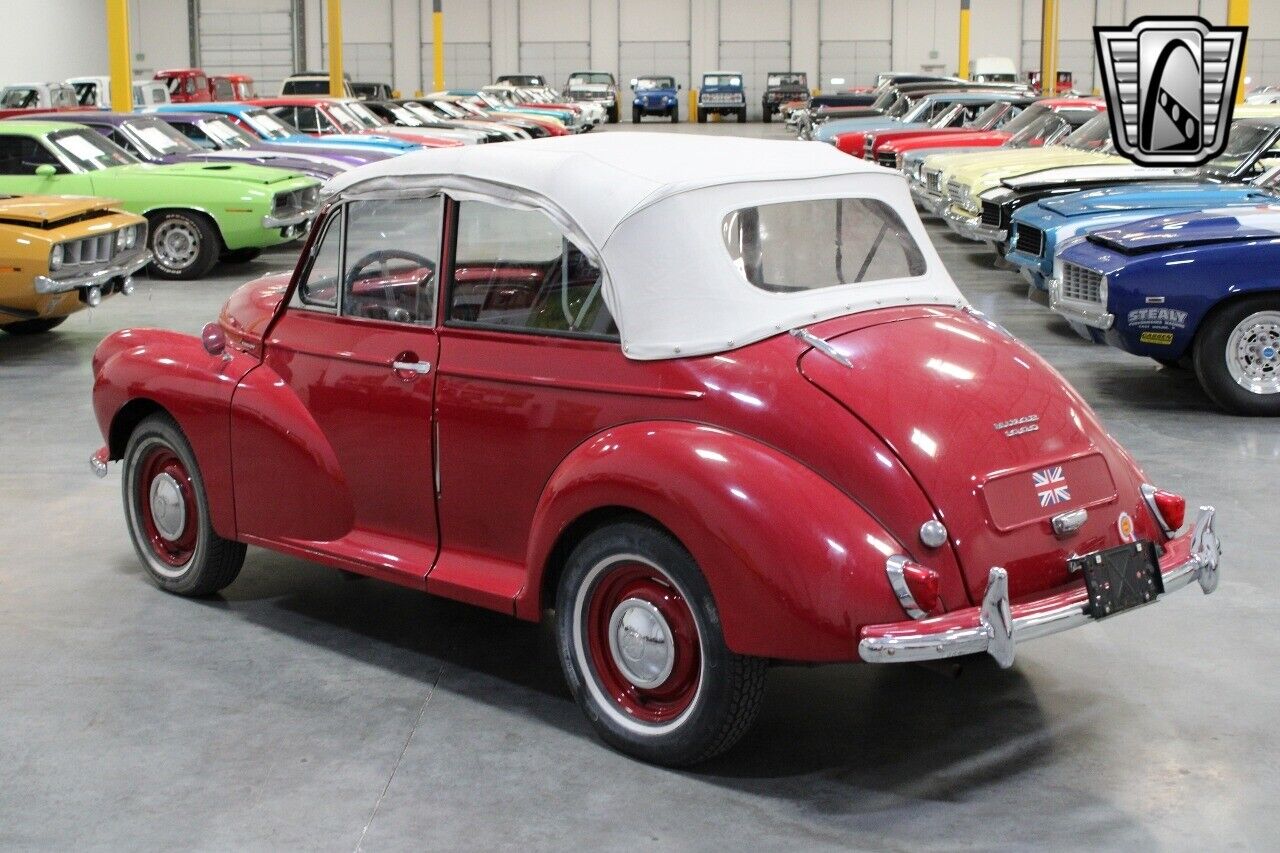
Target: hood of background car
(994, 167)
(242, 173)
(1191, 229)
(1150, 196)
(43, 211)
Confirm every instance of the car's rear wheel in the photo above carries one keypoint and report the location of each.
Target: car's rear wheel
(168, 513)
(34, 327)
(613, 114)
(641, 647)
(742, 116)
(675, 115)
(184, 243)
(240, 256)
(635, 115)
(767, 114)
(1237, 356)
(702, 116)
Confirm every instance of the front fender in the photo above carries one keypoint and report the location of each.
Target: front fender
(795, 566)
(153, 367)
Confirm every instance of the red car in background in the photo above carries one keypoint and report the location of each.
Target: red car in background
(1076, 111)
(186, 85)
(322, 116)
(990, 117)
(231, 87)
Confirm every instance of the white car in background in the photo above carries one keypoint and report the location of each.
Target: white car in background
(96, 92)
(31, 96)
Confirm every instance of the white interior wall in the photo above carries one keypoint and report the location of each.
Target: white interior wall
(53, 40)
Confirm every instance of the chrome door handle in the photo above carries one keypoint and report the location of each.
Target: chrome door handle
(422, 367)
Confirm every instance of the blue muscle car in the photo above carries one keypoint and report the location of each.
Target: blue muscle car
(655, 95)
(1198, 289)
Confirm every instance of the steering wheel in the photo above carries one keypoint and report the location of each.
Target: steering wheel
(381, 256)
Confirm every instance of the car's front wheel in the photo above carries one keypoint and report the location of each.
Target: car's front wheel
(184, 243)
(34, 327)
(1237, 356)
(167, 512)
(641, 648)
(742, 116)
(675, 115)
(613, 114)
(635, 115)
(702, 116)
(767, 114)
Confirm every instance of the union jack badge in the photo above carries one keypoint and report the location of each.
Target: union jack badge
(1051, 486)
(1171, 86)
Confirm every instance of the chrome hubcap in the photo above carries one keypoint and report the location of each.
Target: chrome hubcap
(176, 244)
(1253, 353)
(640, 643)
(168, 509)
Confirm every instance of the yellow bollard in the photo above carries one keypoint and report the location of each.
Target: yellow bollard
(693, 105)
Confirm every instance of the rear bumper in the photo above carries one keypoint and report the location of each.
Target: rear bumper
(971, 227)
(997, 626)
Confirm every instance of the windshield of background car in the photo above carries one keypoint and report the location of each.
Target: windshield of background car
(345, 120)
(993, 114)
(89, 150)
(157, 138)
(226, 134)
(948, 117)
(306, 87)
(1242, 142)
(421, 113)
(1031, 114)
(1093, 135)
(644, 83)
(900, 107)
(795, 246)
(363, 115)
(87, 94)
(591, 79)
(268, 125)
(710, 80)
(19, 99)
(786, 80)
(1046, 127)
(405, 116)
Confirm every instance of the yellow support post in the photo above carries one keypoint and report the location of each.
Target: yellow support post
(1049, 47)
(437, 41)
(1238, 16)
(118, 64)
(963, 73)
(334, 11)
(693, 106)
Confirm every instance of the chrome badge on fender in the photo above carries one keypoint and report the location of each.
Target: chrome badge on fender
(1171, 85)
(1018, 426)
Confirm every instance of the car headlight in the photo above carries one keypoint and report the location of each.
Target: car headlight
(120, 238)
(131, 236)
(1102, 291)
(55, 257)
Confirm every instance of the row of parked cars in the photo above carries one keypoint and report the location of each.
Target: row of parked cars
(1169, 264)
(95, 196)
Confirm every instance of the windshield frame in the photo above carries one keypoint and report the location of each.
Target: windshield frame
(78, 165)
(131, 129)
(662, 81)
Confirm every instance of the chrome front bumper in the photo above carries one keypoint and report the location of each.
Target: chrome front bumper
(997, 626)
(929, 202)
(1094, 317)
(46, 285)
(290, 217)
(971, 227)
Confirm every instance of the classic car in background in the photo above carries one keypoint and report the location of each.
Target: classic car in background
(457, 108)
(313, 83)
(197, 212)
(21, 98)
(878, 146)
(404, 114)
(578, 116)
(96, 92)
(153, 140)
(61, 254)
(497, 131)
(214, 131)
(1197, 288)
(325, 117)
(722, 93)
(655, 95)
(231, 87)
(535, 80)
(781, 87)
(705, 469)
(185, 85)
(929, 112)
(372, 91)
(276, 130)
(596, 87)
(403, 125)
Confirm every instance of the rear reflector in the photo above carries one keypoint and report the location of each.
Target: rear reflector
(1169, 509)
(915, 585)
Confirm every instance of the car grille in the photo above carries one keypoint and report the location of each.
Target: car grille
(721, 98)
(1030, 240)
(89, 250)
(1080, 284)
(888, 159)
(590, 96)
(990, 213)
(933, 181)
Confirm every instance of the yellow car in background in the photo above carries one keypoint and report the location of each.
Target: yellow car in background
(59, 254)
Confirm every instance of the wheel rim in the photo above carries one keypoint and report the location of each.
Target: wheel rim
(639, 643)
(166, 506)
(176, 244)
(1253, 353)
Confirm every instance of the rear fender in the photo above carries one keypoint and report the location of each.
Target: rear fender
(794, 565)
(175, 373)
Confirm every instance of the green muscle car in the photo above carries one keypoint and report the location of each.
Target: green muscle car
(198, 212)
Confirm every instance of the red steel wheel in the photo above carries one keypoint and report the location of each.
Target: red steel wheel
(167, 506)
(642, 640)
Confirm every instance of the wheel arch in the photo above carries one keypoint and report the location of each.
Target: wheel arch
(126, 420)
(161, 210)
(577, 530)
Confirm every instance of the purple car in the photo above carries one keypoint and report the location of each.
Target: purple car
(218, 132)
(155, 140)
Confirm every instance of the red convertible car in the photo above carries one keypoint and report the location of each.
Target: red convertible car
(785, 437)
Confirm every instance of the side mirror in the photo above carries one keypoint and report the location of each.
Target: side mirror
(46, 170)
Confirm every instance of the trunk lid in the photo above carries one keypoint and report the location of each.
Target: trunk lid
(995, 437)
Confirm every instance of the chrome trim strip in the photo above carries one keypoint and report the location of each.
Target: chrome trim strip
(893, 568)
(821, 346)
(1097, 319)
(44, 284)
(998, 632)
(297, 217)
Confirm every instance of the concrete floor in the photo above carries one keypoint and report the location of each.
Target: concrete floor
(304, 710)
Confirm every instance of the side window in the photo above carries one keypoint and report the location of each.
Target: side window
(21, 155)
(392, 259)
(319, 288)
(515, 269)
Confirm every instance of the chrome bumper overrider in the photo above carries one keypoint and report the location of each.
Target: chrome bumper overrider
(996, 626)
(44, 284)
(291, 217)
(1097, 318)
(971, 227)
(925, 200)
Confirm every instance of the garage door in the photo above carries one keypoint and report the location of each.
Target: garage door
(556, 60)
(366, 62)
(842, 64)
(1074, 55)
(755, 59)
(467, 65)
(637, 58)
(253, 37)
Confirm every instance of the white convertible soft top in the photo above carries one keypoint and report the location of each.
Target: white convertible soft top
(650, 208)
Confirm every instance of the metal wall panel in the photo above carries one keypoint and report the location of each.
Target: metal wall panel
(855, 62)
(253, 37)
(636, 58)
(755, 59)
(554, 59)
(467, 65)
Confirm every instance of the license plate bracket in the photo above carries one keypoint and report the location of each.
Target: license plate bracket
(1119, 579)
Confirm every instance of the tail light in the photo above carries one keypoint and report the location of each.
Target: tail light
(915, 585)
(1170, 510)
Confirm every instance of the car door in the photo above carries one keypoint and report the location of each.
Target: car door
(21, 156)
(333, 448)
